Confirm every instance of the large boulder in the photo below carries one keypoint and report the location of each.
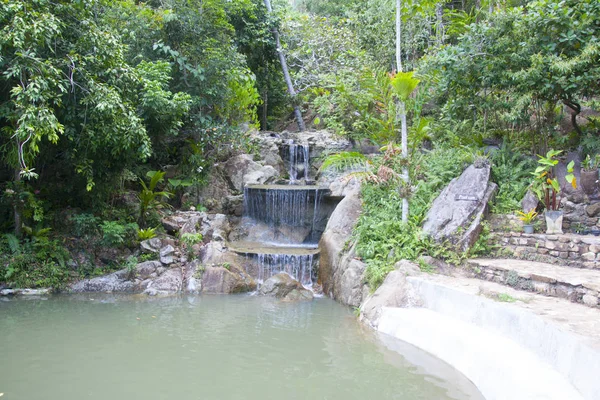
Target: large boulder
(242, 170)
(285, 287)
(116, 282)
(221, 280)
(340, 274)
(169, 282)
(394, 292)
(457, 213)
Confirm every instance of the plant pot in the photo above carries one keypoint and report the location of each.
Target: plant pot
(589, 181)
(554, 222)
(527, 228)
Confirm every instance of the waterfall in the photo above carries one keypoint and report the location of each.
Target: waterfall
(282, 224)
(279, 205)
(301, 267)
(298, 153)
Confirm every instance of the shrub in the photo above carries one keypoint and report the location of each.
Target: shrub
(116, 234)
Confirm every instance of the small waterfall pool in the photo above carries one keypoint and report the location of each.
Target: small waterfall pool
(99, 347)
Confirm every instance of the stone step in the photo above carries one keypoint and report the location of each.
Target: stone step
(575, 285)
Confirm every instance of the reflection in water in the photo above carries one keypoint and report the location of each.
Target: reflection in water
(206, 347)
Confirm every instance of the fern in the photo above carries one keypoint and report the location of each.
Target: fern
(13, 243)
(346, 161)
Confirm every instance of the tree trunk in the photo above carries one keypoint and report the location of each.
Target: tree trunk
(402, 108)
(576, 110)
(16, 212)
(439, 25)
(286, 72)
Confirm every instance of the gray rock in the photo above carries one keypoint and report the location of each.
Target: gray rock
(340, 273)
(457, 213)
(146, 269)
(529, 202)
(242, 170)
(169, 282)
(285, 287)
(24, 292)
(590, 300)
(166, 255)
(224, 281)
(115, 283)
(593, 210)
(394, 292)
(183, 222)
(151, 245)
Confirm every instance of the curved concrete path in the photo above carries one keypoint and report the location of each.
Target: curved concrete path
(539, 348)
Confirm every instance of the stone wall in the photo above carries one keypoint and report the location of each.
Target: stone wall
(580, 251)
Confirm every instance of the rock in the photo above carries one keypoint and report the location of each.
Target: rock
(285, 287)
(394, 292)
(233, 205)
(590, 300)
(182, 222)
(151, 245)
(146, 269)
(529, 202)
(242, 170)
(224, 281)
(24, 292)
(593, 210)
(166, 255)
(457, 213)
(410, 268)
(115, 282)
(340, 274)
(263, 175)
(216, 189)
(342, 186)
(169, 282)
(219, 224)
(217, 253)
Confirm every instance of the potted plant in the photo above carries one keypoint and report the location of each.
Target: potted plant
(527, 219)
(546, 187)
(589, 174)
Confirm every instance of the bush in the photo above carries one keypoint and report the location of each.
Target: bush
(84, 225)
(36, 263)
(382, 238)
(116, 234)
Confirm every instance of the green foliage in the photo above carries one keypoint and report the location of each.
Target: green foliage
(151, 198)
(145, 234)
(512, 173)
(33, 263)
(85, 225)
(345, 161)
(189, 240)
(404, 84)
(382, 238)
(131, 266)
(115, 234)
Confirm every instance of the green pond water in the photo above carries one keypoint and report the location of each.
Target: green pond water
(207, 347)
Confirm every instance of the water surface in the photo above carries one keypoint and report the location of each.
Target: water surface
(207, 347)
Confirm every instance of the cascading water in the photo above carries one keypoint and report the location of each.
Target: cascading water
(283, 223)
(298, 153)
(301, 267)
(280, 206)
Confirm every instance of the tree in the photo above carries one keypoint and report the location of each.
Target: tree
(286, 73)
(401, 108)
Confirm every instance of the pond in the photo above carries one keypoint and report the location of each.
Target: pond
(207, 347)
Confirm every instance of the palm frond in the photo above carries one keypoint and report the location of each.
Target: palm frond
(346, 161)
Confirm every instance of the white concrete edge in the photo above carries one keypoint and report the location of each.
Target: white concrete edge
(566, 352)
(500, 368)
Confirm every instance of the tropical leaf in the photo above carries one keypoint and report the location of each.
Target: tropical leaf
(404, 84)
